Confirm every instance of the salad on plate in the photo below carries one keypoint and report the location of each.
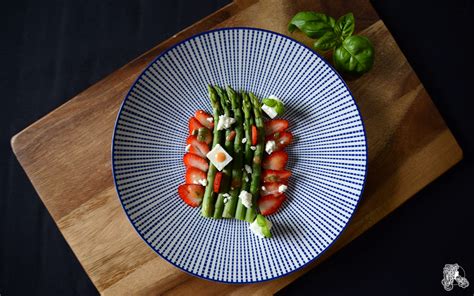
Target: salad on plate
(235, 160)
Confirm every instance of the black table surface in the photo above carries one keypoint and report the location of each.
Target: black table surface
(51, 50)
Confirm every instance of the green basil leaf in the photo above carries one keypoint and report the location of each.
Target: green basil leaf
(345, 26)
(261, 220)
(279, 108)
(263, 223)
(355, 55)
(269, 102)
(313, 24)
(327, 41)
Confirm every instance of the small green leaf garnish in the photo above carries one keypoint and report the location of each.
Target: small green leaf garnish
(270, 102)
(263, 223)
(279, 108)
(277, 105)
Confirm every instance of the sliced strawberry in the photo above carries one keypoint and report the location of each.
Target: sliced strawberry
(270, 188)
(231, 136)
(199, 148)
(191, 194)
(276, 161)
(254, 135)
(192, 160)
(269, 204)
(282, 139)
(236, 183)
(275, 176)
(217, 182)
(204, 135)
(275, 125)
(194, 176)
(194, 126)
(205, 119)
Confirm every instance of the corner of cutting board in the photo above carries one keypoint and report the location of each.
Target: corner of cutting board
(18, 142)
(14, 143)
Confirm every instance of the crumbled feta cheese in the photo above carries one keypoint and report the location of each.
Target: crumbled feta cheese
(264, 188)
(224, 122)
(187, 147)
(226, 197)
(257, 229)
(244, 140)
(246, 199)
(203, 182)
(270, 146)
(248, 169)
(253, 147)
(270, 111)
(282, 188)
(210, 119)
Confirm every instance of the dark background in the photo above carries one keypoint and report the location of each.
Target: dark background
(50, 51)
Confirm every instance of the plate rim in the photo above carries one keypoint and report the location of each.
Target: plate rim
(119, 196)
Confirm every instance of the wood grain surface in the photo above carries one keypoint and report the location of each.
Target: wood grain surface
(67, 156)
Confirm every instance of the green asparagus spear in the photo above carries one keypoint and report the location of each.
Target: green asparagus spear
(207, 209)
(241, 210)
(236, 183)
(249, 121)
(257, 158)
(248, 115)
(229, 147)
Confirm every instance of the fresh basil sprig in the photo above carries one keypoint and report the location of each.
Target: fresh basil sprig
(352, 54)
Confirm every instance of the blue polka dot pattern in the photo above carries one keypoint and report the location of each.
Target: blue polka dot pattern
(328, 158)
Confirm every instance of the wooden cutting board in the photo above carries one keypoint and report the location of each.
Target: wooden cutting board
(66, 155)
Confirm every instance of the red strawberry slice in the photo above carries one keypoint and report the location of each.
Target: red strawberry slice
(270, 188)
(205, 119)
(254, 135)
(199, 148)
(230, 136)
(194, 126)
(275, 125)
(192, 160)
(269, 204)
(217, 182)
(282, 139)
(191, 194)
(275, 176)
(276, 161)
(204, 135)
(194, 175)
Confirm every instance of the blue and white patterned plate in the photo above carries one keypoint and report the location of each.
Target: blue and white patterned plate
(328, 158)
